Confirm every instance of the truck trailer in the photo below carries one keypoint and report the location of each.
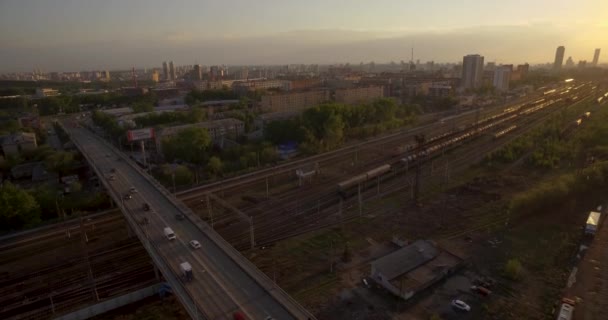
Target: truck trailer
(593, 222)
(186, 269)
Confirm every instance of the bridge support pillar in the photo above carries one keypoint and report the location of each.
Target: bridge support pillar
(156, 273)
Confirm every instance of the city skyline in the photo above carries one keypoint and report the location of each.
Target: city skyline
(141, 34)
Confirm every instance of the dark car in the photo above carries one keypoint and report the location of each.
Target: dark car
(239, 316)
(113, 170)
(128, 196)
(179, 216)
(146, 207)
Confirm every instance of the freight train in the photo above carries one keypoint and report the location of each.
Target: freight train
(435, 145)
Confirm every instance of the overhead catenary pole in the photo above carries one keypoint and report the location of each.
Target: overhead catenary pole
(420, 139)
(251, 232)
(360, 200)
(210, 210)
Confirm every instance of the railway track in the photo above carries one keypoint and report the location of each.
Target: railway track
(234, 184)
(125, 267)
(56, 274)
(293, 217)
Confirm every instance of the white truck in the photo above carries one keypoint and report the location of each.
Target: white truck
(593, 222)
(169, 233)
(186, 269)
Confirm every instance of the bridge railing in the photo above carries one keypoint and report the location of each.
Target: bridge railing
(164, 267)
(260, 277)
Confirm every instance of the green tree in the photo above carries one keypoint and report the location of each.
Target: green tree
(48, 199)
(60, 162)
(9, 126)
(143, 106)
(17, 208)
(323, 128)
(279, 132)
(214, 166)
(513, 269)
(190, 144)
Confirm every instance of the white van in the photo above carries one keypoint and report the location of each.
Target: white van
(169, 233)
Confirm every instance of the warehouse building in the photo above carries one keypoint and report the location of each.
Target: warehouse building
(414, 268)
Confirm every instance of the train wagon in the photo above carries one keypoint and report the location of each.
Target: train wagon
(565, 312)
(345, 188)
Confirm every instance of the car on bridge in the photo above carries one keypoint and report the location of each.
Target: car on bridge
(195, 244)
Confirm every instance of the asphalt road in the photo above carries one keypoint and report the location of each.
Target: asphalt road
(220, 286)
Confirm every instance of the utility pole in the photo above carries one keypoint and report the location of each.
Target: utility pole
(251, 232)
(331, 256)
(210, 210)
(420, 139)
(360, 200)
(86, 254)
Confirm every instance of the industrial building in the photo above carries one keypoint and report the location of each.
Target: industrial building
(358, 95)
(295, 101)
(414, 268)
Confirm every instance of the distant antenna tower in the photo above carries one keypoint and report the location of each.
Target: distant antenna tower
(412, 60)
(134, 77)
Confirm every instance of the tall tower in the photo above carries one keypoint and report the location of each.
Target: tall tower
(171, 71)
(472, 71)
(155, 76)
(559, 57)
(165, 71)
(198, 72)
(596, 57)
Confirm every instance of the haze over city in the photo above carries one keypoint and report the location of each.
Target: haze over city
(303, 160)
(71, 35)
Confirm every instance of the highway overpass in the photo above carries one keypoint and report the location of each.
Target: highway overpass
(224, 281)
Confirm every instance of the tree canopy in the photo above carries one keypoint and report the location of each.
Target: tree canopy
(190, 145)
(17, 208)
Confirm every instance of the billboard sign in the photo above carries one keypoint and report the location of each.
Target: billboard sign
(140, 134)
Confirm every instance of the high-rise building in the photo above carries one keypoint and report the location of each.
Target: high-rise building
(155, 76)
(596, 57)
(559, 57)
(107, 75)
(472, 71)
(214, 72)
(171, 71)
(502, 76)
(165, 71)
(570, 63)
(582, 64)
(198, 72)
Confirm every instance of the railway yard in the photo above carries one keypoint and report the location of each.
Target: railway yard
(297, 227)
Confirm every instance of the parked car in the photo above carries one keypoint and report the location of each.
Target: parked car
(128, 196)
(239, 316)
(179, 216)
(133, 190)
(113, 170)
(461, 305)
(146, 207)
(195, 244)
(481, 290)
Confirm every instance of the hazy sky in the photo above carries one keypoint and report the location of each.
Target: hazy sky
(107, 34)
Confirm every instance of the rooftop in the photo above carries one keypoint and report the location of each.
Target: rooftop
(406, 259)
